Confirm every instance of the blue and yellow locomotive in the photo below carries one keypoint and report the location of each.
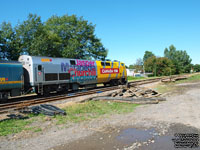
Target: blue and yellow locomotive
(11, 79)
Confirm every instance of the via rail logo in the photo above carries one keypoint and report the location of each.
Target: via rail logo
(109, 70)
(3, 79)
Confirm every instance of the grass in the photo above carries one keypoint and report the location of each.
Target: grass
(191, 78)
(37, 130)
(194, 77)
(75, 113)
(13, 126)
(130, 78)
(93, 109)
(167, 87)
(164, 88)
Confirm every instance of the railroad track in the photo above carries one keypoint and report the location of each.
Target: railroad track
(17, 105)
(146, 81)
(5, 108)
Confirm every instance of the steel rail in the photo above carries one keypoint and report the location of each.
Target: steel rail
(5, 108)
(22, 104)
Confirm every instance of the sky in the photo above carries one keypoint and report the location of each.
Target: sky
(127, 28)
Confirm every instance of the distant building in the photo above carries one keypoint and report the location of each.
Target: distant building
(130, 72)
(138, 75)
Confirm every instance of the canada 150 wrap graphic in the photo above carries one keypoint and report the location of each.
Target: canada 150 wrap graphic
(83, 71)
(109, 70)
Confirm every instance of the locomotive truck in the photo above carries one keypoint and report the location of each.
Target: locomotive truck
(46, 74)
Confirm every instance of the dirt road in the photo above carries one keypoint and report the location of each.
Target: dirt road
(148, 127)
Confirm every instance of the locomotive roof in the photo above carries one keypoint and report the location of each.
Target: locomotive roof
(51, 57)
(9, 62)
(36, 57)
(57, 58)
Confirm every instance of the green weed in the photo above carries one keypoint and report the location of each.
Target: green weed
(192, 78)
(130, 78)
(13, 126)
(75, 113)
(93, 109)
(37, 130)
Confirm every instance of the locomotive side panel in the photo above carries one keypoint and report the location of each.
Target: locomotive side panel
(63, 70)
(59, 72)
(123, 73)
(47, 74)
(107, 71)
(82, 72)
(111, 71)
(11, 76)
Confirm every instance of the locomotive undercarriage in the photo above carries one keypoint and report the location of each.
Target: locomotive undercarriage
(4, 96)
(115, 82)
(47, 89)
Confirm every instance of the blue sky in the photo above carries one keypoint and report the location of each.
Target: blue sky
(127, 28)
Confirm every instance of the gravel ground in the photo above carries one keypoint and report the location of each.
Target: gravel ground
(179, 113)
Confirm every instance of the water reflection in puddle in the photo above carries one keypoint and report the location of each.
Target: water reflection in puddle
(131, 135)
(144, 139)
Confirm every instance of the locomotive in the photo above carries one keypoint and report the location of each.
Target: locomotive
(43, 75)
(11, 81)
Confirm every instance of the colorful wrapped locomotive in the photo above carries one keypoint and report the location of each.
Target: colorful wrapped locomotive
(46, 74)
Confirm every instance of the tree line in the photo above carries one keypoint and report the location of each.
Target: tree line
(174, 62)
(64, 36)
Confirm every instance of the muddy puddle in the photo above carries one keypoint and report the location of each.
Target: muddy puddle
(131, 135)
(128, 138)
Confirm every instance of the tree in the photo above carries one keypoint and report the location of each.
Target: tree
(1, 46)
(171, 53)
(131, 67)
(32, 37)
(138, 66)
(150, 64)
(180, 59)
(8, 48)
(196, 68)
(160, 66)
(147, 55)
(65, 36)
(164, 67)
(77, 37)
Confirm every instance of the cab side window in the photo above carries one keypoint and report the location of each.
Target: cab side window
(72, 62)
(39, 67)
(103, 63)
(115, 64)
